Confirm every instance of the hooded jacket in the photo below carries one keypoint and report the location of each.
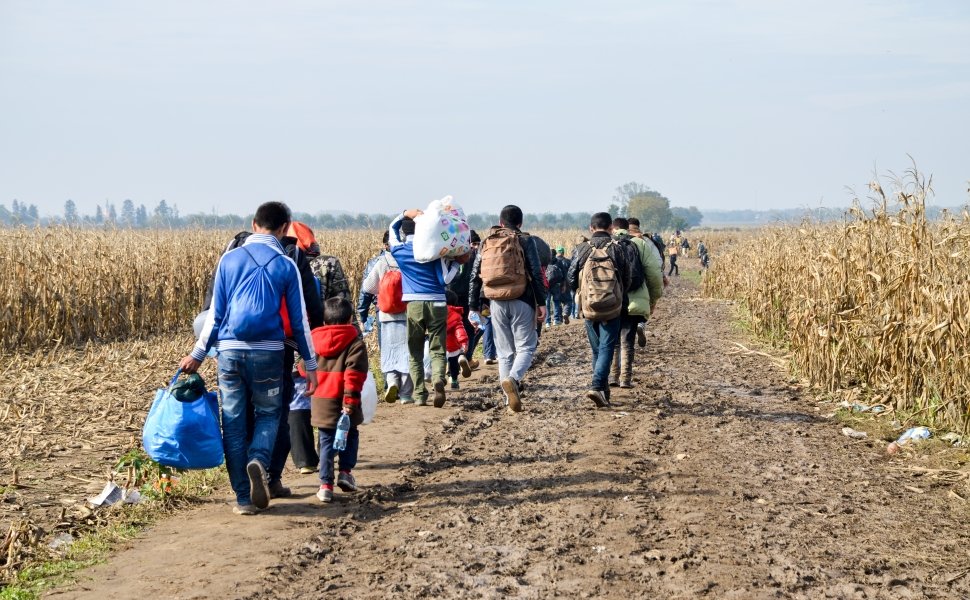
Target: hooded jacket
(457, 336)
(341, 372)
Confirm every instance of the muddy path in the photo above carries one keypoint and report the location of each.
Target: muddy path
(715, 476)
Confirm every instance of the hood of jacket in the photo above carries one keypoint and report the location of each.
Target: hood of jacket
(330, 340)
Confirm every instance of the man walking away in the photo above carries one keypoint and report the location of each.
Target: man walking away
(672, 249)
(423, 286)
(646, 287)
(509, 273)
(554, 301)
(245, 325)
(565, 294)
(601, 274)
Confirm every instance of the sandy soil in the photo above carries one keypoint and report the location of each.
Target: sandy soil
(715, 476)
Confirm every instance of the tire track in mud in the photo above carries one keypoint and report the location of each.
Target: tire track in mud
(715, 476)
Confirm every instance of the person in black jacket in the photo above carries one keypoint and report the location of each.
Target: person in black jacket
(602, 335)
(461, 286)
(514, 321)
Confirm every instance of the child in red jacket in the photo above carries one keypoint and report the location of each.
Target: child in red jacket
(456, 341)
(341, 372)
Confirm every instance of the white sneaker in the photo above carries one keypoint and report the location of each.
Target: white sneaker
(325, 495)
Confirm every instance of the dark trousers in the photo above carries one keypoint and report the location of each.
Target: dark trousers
(281, 448)
(488, 342)
(673, 265)
(303, 443)
(347, 456)
(602, 340)
(453, 367)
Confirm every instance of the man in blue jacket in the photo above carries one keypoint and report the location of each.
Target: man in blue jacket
(423, 286)
(252, 283)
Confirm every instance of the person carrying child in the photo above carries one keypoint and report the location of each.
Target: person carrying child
(341, 372)
(456, 341)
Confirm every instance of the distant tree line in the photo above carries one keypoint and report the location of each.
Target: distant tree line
(632, 199)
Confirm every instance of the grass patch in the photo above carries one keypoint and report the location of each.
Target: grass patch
(54, 568)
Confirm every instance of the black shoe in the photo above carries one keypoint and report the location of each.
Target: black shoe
(278, 490)
(439, 394)
(258, 484)
(641, 335)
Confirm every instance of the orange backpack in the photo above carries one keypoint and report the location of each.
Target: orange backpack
(389, 293)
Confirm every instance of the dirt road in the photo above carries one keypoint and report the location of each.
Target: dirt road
(716, 476)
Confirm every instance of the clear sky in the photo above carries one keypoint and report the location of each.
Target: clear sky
(377, 106)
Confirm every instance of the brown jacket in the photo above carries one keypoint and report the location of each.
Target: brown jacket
(341, 372)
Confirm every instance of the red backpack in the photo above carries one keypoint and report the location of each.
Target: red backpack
(389, 293)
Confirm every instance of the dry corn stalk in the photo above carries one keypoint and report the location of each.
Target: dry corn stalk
(880, 301)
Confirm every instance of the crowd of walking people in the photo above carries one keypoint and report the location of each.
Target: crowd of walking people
(274, 295)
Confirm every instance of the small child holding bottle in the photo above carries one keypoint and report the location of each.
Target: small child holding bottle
(341, 372)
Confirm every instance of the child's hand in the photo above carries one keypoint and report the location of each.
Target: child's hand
(348, 410)
(464, 349)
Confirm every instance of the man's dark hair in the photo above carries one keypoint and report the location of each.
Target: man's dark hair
(511, 216)
(407, 226)
(272, 215)
(621, 223)
(451, 298)
(633, 221)
(337, 311)
(386, 237)
(475, 238)
(601, 221)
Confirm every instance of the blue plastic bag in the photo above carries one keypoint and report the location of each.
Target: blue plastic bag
(183, 435)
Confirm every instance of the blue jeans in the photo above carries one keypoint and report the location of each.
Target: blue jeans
(554, 302)
(348, 456)
(488, 342)
(602, 339)
(282, 446)
(249, 380)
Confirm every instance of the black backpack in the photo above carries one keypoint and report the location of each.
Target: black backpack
(632, 257)
(553, 274)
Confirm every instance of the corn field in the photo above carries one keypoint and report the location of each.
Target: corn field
(65, 286)
(879, 303)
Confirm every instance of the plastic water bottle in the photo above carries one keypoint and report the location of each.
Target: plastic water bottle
(475, 320)
(343, 430)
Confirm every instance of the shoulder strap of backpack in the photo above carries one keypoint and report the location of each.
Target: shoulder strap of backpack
(265, 264)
